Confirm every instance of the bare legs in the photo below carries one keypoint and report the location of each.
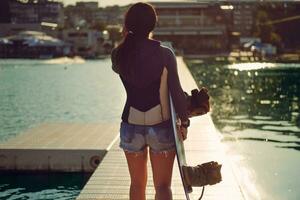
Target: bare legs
(137, 165)
(162, 166)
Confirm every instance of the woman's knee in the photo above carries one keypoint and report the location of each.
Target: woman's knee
(162, 188)
(138, 186)
(163, 192)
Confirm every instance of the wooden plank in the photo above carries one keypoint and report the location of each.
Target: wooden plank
(65, 136)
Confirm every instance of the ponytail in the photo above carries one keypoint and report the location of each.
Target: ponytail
(126, 53)
(140, 20)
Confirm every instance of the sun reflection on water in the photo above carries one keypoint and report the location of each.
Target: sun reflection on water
(251, 66)
(256, 108)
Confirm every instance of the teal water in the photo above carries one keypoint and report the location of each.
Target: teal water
(58, 90)
(256, 108)
(42, 186)
(33, 92)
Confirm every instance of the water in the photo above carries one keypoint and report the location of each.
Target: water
(42, 186)
(256, 108)
(33, 92)
(57, 90)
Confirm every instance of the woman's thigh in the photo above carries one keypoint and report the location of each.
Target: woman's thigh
(162, 167)
(137, 165)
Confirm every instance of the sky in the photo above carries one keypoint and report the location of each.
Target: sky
(104, 3)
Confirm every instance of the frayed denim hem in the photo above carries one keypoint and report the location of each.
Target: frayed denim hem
(165, 152)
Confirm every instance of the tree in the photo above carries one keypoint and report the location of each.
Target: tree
(115, 34)
(265, 30)
(99, 26)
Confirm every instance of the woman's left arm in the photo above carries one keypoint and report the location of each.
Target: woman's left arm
(113, 57)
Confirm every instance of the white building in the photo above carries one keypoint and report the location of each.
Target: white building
(85, 42)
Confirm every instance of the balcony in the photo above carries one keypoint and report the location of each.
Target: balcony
(190, 30)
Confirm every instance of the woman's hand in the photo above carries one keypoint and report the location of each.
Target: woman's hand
(182, 127)
(182, 132)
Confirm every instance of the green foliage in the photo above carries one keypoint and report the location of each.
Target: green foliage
(115, 34)
(265, 30)
(98, 25)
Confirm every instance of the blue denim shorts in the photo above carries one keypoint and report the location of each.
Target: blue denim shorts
(135, 138)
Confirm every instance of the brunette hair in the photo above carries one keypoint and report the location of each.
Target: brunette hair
(140, 20)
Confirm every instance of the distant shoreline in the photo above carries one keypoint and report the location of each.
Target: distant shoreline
(222, 57)
(227, 58)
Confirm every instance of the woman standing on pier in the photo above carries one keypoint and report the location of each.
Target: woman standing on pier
(148, 72)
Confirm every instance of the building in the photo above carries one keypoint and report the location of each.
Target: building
(87, 5)
(12, 29)
(192, 27)
(243, 18)
(81, 14)
(32, 44)
(85, 42)
(4, 12)
(109, 17)
(33, 15)
(37, 12)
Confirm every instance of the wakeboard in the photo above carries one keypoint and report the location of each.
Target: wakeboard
(180, 153)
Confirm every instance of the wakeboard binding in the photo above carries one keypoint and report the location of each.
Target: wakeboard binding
(207, 173)
(197, 102)
(201, 175)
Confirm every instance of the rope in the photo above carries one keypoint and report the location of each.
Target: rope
(202, 193)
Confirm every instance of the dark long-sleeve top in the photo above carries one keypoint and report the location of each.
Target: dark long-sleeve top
(155, 75)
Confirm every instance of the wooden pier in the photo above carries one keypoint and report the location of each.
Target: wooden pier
(94, 148)
(111, 180)
(63, 147)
